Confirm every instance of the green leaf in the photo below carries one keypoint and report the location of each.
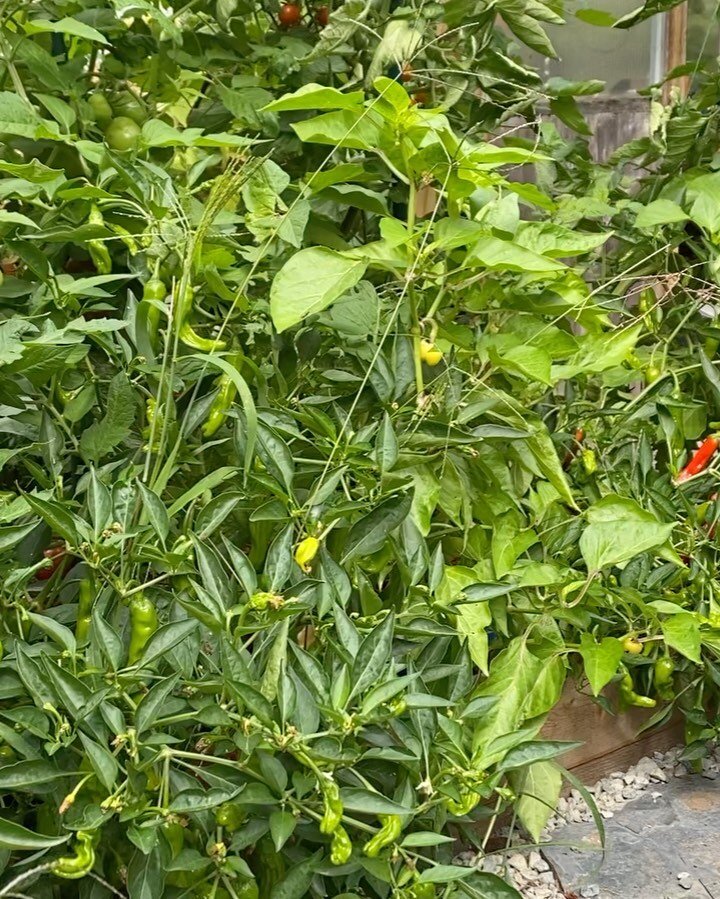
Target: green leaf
(309, 282)
(513, 674)
(315, 96)
(16, 218)
(659, 212)
(29, 775)
(372, 656)
(618, 530)
(15, 837)
(535, 751)
(104, 763)
(539, 788)
(682, 632)
(65, 25)
(297, 881)
(600, 660)
(103, 436)
(370, 803)
(164, 639)
(370, 533)
(151, 705)
(282, 825)
(494, 253)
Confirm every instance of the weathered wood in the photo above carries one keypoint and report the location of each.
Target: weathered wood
(610, 742)
(676, 50)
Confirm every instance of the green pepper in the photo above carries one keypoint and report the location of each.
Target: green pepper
(663, 677)
(423, 891)
(467, 802)
(143, 624)
(230, 816)
(589, 461)
(340, 846)
(73, 867)
(187, 334)
(333, 807)
(220, 407)
(86, 599)
(98, 250)
(191, 338)
(154, 291)
(247, 890)
(388, 833)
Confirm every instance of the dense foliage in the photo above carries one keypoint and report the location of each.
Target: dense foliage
(330, 447)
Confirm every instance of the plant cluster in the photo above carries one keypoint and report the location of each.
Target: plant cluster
(330, 447)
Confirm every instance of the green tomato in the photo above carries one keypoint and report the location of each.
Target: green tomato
(129, 107)
(122, 134)
(101, 109)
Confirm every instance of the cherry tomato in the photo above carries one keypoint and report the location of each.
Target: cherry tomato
(122, 134)
(55, 555)
(101, 109)
(290, 15)
(322, 16)
(406, 72)
(420, 98)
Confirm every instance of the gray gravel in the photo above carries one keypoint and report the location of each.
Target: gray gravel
(531, 873)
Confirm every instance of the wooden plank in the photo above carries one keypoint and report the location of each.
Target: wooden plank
(676, 50)
(610, 742)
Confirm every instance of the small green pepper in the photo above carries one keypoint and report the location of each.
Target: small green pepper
(143, 624)
(468, 800)
(388, 833)
(154, 291)
(230, 816)
(223, 401)
(340, 846)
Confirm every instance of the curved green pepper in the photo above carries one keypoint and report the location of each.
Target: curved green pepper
(340, 846)
(143, 624)
(630, 697)
(388, 833)
(73, 867)
(154, 290)
(187, 334)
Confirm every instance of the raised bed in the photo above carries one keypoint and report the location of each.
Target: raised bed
(610, 742)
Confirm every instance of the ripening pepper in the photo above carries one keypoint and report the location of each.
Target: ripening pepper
(306, 552)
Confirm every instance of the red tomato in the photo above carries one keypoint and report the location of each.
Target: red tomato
(290, 15)
(322, 16)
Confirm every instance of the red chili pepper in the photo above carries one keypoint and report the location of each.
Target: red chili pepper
(699, 460)
(572, 452)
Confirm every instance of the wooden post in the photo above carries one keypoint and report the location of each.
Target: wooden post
(676, 49)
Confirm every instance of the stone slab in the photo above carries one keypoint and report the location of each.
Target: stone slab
(663, 845)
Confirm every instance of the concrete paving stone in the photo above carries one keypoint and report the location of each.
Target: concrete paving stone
(662, 846)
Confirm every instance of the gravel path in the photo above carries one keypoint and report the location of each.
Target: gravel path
(531, 872)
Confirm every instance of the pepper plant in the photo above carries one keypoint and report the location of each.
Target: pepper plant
(292, 568)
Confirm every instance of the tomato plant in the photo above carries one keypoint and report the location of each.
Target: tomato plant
(323, 570)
